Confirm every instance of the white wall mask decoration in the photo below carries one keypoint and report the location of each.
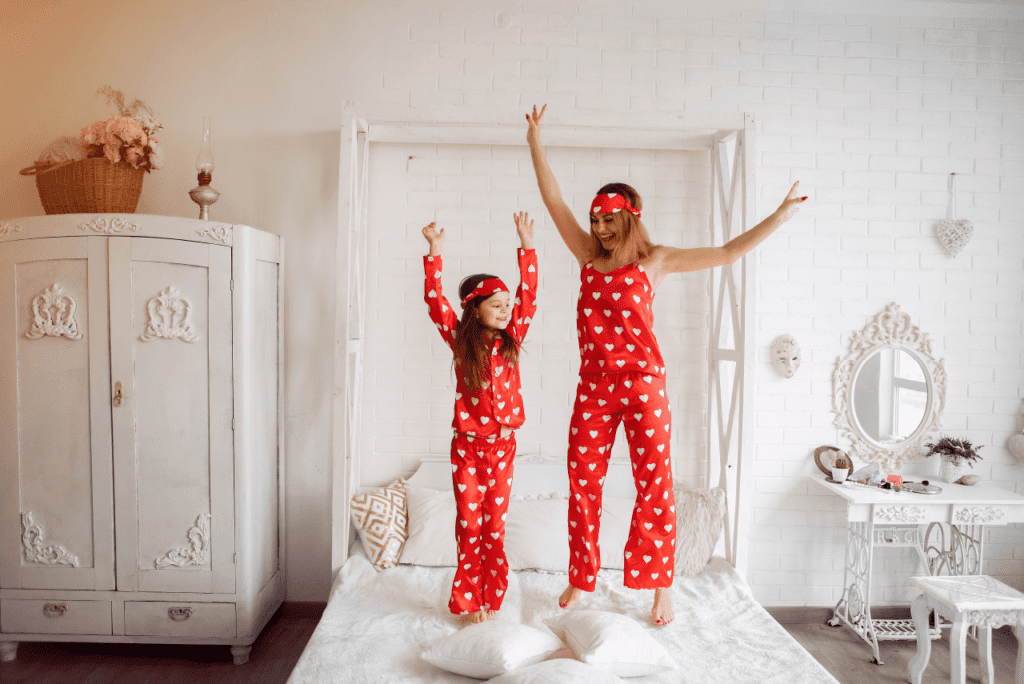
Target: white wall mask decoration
(954, 233)
(786, 354)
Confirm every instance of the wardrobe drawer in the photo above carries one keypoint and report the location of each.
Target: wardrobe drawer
(165, 618)
(32, 616)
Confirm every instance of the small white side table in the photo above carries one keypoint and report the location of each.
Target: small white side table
(877, 519)
(976, 600)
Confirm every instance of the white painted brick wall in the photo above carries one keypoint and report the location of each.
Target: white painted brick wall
(473, 191)
(870, 111)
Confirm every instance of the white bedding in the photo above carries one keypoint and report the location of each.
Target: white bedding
(376, 625)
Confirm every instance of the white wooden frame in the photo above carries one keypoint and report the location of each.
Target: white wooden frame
(732, 332)
(729, 138)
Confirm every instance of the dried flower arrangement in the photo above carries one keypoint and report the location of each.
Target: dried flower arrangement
(956, 451)
(128, 134)
(841, 461)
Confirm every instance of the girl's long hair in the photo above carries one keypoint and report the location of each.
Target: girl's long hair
(636, 243)
(473, 344)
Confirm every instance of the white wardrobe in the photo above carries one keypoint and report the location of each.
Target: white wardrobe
(141, 459)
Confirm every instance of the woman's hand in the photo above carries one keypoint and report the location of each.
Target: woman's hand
(533, 134)
(524, 226)
(435, 237)
(790, 205)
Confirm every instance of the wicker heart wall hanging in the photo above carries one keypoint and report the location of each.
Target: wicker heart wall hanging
(954, 233)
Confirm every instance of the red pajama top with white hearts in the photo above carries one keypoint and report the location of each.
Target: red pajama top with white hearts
(483, 412)
(614, 322)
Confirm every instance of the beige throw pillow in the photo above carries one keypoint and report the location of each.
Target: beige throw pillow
(699, 518)
(381, 518)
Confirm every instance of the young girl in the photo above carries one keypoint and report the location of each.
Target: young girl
(622, 374)
(488, 408)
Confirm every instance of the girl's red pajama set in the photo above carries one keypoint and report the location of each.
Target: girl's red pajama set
(622, 379)
(482, 461)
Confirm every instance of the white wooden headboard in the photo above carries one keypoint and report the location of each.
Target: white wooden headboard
(730, 140)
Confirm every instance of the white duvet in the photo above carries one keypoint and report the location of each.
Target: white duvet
(376, 625)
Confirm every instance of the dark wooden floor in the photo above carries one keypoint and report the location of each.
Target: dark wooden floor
(278, 648)
(848, 658)
(272, 658)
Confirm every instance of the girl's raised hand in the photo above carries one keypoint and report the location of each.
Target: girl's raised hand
(435, 237)
(533, 134)
(791, 204)
(524, 226)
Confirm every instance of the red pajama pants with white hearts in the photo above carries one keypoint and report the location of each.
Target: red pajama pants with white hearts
(638, 401)
(482, 478)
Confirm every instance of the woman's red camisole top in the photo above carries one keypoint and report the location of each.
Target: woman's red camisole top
(614, 322)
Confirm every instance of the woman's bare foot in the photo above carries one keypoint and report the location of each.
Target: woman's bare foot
(569, 597)
(662, 613)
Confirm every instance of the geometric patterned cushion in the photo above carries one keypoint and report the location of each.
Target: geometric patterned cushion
(381, 517)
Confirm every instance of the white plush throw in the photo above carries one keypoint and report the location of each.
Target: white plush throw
(376, 625)
(560, 670)
(699, 518)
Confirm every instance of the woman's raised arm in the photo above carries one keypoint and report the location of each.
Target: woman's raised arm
(668, 260)
(576, 239)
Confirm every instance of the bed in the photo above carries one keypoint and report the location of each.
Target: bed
(378, 622)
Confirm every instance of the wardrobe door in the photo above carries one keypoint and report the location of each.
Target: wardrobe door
(57, 529)
(170, 329)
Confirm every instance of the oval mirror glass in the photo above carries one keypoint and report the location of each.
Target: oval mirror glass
(890, 396)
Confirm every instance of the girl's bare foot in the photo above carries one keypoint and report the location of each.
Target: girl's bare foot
(662, 613)
(479, 616)
(569, 597)
(476, 617)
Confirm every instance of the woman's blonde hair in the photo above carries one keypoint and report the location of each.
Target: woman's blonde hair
(636, 243)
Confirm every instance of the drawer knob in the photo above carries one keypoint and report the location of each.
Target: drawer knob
(179, 614)
(54, 610)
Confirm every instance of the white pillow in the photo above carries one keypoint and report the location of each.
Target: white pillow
(536, 534)
(431, 538)
(616, 515)
(699, 517)
(491, 648)
(611, 642)
(561, 670)
(536, 531)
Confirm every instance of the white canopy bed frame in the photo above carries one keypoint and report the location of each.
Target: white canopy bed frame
(377, 624)
(729, 139)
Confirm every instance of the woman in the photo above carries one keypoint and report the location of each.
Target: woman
(622, 373)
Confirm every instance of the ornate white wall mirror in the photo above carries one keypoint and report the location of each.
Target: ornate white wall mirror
(888, 392)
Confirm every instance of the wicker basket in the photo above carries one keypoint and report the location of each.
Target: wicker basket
(88, 186)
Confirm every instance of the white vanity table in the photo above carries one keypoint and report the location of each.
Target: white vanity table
(877, 519)
(888, 393)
